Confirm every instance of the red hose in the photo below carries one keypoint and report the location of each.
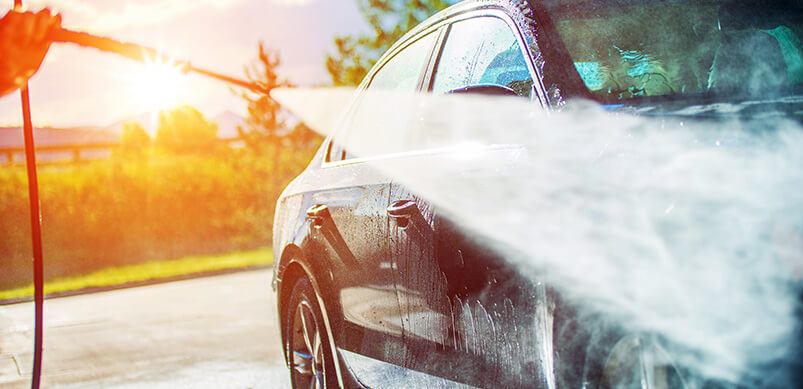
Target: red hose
(36, 231)
(144, 54)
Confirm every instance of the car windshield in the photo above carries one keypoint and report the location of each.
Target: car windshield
(629, 50)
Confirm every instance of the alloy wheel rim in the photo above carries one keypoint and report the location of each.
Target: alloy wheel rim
(639, 363)
(307, 349)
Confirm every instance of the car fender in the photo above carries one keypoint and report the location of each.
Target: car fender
(294, 264)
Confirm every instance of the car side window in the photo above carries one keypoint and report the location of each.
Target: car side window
(482, 50)
(400, 74)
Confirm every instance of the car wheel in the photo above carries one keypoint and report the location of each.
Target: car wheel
(311, 362)
(639, 362)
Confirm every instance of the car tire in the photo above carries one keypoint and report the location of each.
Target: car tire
(633, 361)
(593, 352)
(310, 358)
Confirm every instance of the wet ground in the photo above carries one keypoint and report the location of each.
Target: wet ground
(216, 332)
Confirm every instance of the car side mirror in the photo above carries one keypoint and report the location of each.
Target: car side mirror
(484, 89)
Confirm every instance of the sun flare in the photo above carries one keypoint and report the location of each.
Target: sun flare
(157, 86)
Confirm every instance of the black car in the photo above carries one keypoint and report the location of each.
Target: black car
(377, 287)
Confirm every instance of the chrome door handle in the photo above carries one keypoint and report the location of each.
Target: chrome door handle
(401, 211)
(317, 214)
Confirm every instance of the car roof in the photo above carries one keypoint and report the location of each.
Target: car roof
(461, 7)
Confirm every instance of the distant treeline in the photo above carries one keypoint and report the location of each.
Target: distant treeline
(145, 206)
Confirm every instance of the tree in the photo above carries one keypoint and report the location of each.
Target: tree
(265, 117)
(389, 20)
(185, 130)
(134, 141)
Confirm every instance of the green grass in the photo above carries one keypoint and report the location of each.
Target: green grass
(149, 271)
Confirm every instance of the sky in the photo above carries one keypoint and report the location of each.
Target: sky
(84, 87)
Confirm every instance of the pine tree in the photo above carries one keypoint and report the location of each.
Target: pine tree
(265, 116)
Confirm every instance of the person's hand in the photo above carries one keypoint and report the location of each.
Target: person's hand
(24, 41)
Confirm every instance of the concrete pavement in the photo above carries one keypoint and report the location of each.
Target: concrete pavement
(215, 332)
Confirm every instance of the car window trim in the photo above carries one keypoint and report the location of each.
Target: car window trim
(427, 78)
(538, 87)
(327, 161)
(432, 64)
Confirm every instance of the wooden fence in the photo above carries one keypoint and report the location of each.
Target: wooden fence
(72, 153)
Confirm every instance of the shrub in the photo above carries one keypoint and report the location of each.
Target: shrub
(185, 130)
(124, 211)
(134, 141)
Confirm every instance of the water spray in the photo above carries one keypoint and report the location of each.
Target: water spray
(687, 230)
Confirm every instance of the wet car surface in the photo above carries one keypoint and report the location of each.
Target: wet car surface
(377, 287)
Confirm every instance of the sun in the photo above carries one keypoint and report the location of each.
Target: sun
(157, 86)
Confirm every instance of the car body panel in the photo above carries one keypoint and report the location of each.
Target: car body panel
(392, 316)
(412, 299)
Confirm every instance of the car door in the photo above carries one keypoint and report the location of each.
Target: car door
(350, 221)
(466, 315)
